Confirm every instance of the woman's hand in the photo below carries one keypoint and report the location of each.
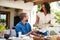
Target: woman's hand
(34, 31)
(34, 25)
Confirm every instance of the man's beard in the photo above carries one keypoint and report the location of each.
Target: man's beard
(26, 20)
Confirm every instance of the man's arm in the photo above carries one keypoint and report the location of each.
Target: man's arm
(32, 32)
(17, 29)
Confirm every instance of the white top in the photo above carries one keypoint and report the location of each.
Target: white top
(43, 19)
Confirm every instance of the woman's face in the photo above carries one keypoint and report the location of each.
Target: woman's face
(43, 7)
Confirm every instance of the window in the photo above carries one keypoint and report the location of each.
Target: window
(5, 18)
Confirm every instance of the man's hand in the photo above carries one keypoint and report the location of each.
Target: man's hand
(32, 32)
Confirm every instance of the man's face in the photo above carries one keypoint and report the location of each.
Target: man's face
(26, 18)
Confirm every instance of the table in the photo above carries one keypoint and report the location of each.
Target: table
(38, 38)
(17, 38)
(35, 38)
(42, 38)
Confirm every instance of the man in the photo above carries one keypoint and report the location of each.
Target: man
(23, 26)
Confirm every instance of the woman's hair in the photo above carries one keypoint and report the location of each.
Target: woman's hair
(47, 6)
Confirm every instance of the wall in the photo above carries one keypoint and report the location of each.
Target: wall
(17, 4)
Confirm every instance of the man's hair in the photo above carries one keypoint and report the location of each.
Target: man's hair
(22, 15)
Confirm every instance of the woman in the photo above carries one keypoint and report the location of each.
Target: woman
(43, 17)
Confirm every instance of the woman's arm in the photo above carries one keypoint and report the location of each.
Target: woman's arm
(49, 22)
(37, 21)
